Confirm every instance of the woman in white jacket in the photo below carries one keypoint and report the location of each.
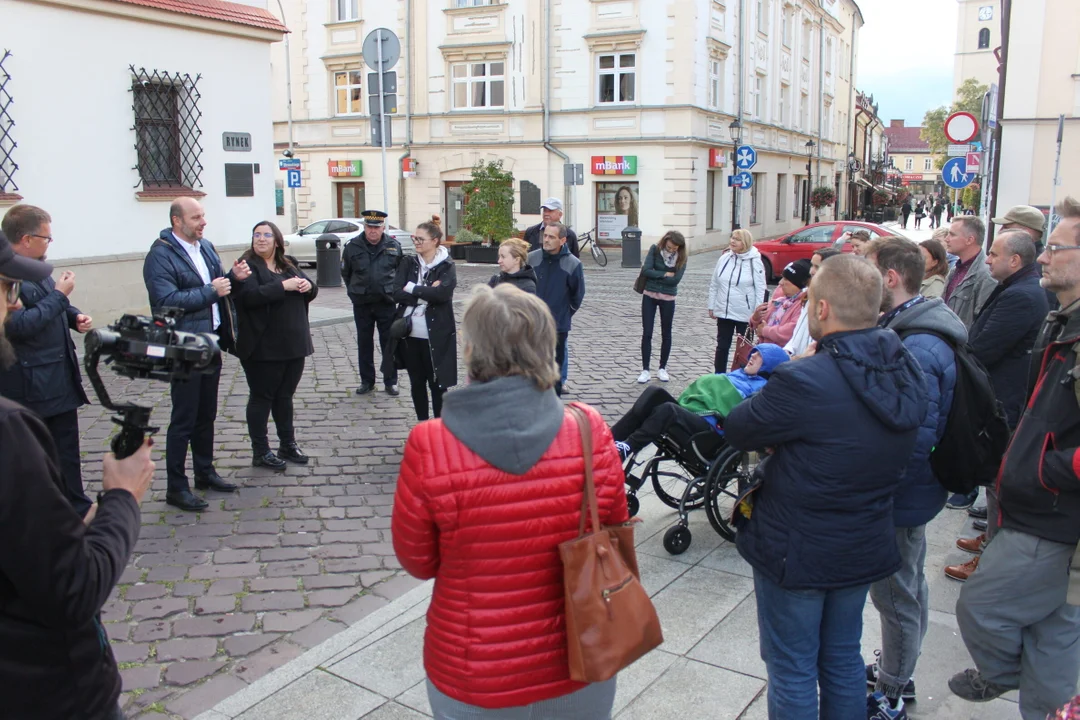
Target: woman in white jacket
(736, 288)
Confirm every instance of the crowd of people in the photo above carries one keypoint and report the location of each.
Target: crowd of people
(489, 488)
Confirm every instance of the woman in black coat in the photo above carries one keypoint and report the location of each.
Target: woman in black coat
(425, 295)
(514, 266)
(273, 341)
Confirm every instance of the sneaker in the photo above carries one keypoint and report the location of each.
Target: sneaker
(907, 694)
(971, 686)
(644, 377)
(878, 707)
(959, 501)
(662, 374)
(624, 450)
(962, 572)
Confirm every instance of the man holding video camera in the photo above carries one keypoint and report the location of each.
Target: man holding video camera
(57, 569)
(183, 270)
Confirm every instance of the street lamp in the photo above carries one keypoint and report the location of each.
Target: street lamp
(809, 185)
(736, 131)
(294, 221)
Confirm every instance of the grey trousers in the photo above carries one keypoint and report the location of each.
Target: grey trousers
(592, 702)
(903, 601)
(1016, 624)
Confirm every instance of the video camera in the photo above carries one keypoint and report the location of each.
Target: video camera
(141, 347)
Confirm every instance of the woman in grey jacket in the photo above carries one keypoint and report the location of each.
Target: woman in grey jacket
(736, 288)
(663, 269)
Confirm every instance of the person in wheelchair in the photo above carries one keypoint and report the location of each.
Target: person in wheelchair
(700, 408)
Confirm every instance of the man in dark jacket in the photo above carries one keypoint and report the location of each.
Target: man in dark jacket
(1012, 612)
(369, 266)
(57, 569)
(46, 378)
(552, 212)
(182, 270)
(929, 330)
(560, 282)
(821, 528)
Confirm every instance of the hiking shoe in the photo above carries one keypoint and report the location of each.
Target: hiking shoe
(971, 686)
(962, 572)
(644, 377)
(878, 707)
(959, 501)
(973, 545)
(662, 374)
(907, 694)
(624, 450)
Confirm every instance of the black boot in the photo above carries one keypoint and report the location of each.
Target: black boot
(291, 452)
(268, 460)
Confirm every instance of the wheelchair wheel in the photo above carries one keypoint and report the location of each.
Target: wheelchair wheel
(632, 504)
(677, 539)
(728, 475)
(669, 480)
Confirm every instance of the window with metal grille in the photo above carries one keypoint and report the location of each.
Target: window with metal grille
(7, 132)
(166, 107)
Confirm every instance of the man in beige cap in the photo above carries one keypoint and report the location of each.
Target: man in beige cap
(1027, 219)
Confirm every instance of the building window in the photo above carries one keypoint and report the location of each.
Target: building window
(616, 78)
(759, 96)
(479, 85)
(710, 200)
(984, 39)
(928, 164)
(716, 84)
(785, 103)
(7, 133)
(785, 27)
(348, 91)
(807, 38)
(829, 56)
(347, 10)
(796, 200)
(754, 193)
(166, 129)
(909, 164)
(763, 16)
(471, 3)
(780, 180)
(804, 112)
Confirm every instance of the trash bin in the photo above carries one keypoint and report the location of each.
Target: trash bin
(631, 247)
(328, 260)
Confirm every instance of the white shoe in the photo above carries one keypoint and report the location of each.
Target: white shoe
(644, 377)
(662, 374)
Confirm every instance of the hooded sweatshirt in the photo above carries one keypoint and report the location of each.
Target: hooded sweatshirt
(419, 324)
(719, 393)
(842, 425)
(920, 496)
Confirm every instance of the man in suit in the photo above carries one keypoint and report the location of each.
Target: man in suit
(46, 379)
(183, 270)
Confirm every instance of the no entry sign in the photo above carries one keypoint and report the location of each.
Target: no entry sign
(961, 127)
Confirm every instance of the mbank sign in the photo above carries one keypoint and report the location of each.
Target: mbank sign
(614, 164)
(346, 168)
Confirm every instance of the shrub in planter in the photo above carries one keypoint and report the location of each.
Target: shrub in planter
(467, 237)
(490, 208)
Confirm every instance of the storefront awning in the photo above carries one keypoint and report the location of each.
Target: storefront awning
(862, 181)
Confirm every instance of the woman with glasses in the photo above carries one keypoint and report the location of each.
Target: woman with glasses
(272, 342)
(427, 345)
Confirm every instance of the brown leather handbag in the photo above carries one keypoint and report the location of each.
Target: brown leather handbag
(610, 620)
(744, 345)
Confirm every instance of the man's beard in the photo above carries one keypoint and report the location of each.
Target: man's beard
(7, 352)
(886, 300)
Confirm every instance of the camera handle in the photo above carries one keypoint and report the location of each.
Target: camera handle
(133, 419)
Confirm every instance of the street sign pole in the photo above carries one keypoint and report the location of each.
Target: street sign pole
(382, 125)
(1057, 180)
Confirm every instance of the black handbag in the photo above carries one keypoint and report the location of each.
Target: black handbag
(401, 328)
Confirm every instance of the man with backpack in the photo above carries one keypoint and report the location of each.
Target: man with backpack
(1001, 338)
(1013, 612)
(929, 330)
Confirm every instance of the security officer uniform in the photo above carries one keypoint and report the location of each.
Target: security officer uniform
(369, 270)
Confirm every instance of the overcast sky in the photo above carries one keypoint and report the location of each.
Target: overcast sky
(906, 56)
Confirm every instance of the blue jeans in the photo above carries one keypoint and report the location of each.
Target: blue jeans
(810, 638)
(564, 366)
(903, 600)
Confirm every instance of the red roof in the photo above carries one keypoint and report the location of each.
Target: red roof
(906, 139)
(217, 10)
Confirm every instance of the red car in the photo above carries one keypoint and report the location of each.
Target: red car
(776, 254)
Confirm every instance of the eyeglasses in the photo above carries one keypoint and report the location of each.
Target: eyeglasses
(13, 288)
(1051, 249)
(42, 237)
(262, 236)
(418, 239)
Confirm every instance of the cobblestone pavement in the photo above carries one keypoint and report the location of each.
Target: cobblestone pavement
(213, 601)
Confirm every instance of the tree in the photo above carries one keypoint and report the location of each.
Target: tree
(969, 98)
(489, 211)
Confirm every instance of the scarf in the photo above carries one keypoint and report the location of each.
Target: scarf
(670, 258)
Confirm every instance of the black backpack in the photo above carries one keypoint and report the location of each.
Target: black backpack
(976, 431)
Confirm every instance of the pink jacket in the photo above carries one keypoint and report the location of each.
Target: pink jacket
(780, 331)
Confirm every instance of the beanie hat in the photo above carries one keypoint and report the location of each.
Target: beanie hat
(798, 273)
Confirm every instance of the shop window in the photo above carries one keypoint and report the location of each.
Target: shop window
(479, 85)
(710, 199)
(166, 129)
(616, 78)
(616, 209)
(349, 92)
(781, 180)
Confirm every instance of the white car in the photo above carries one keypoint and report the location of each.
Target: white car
(302, 245)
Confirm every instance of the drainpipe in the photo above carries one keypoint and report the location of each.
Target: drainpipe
(409, 85)
(736, 206)
(1006, 21)
(821, 87)
(547, 107)
(849, 144)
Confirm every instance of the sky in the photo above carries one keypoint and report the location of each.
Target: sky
(906, 56)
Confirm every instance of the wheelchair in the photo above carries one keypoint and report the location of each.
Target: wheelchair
(688, 474)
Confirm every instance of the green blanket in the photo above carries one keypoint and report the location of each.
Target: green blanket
(710, 394)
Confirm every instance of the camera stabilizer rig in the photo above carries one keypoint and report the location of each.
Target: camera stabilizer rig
(141, 347)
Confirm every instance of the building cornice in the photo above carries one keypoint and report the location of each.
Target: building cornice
(615, 40)
(465, 52)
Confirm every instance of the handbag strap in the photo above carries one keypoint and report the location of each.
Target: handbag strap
(588, 500)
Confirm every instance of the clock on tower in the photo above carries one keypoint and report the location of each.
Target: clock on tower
(986, 13)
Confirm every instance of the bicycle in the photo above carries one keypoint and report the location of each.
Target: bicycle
(595, 250)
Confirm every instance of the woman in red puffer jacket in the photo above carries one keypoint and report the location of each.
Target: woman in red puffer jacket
(485, 496)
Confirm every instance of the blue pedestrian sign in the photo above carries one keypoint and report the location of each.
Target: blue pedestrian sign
(745, 157)
(743, 181)
(955, 174)
(294, 178)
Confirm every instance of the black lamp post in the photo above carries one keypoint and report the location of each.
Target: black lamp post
(736, 130)
(809, 184)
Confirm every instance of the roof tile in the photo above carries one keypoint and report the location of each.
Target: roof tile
(217, 10)
(906, 139)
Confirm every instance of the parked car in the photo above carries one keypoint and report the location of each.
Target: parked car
(302, 244)
(777, 253)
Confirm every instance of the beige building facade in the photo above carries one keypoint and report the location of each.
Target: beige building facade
(978, 36)
(640, 93)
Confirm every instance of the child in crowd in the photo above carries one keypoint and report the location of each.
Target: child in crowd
(700, 408)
